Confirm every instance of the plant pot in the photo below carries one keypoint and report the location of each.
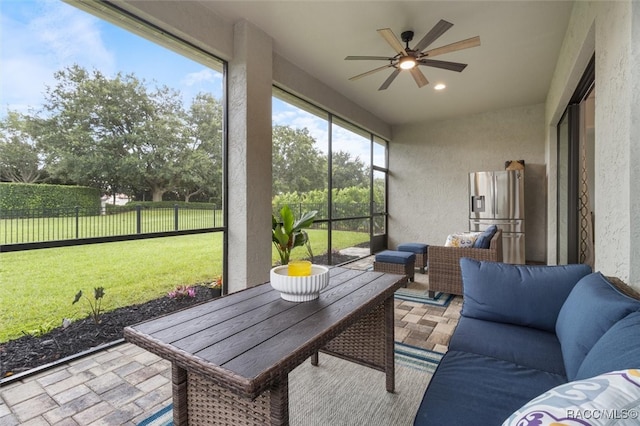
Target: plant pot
(215, 292)
(299, 289)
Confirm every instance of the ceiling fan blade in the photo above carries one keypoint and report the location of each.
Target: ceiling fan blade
(451, 66)
(419, 77)
(364, 74)
(389, 80)
(437, 30)
(459, 45)
(393, 41)
(367, 58)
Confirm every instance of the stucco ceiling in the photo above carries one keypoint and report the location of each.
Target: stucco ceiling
(520, 43)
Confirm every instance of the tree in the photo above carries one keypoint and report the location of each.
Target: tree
(113, 134)
(159, 153)
(202, 157)
(348, 172)
(90, 127)
(19, 154)
(298, 166)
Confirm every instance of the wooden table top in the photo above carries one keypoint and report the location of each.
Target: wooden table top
(251, 338)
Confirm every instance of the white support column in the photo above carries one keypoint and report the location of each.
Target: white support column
(250, 81)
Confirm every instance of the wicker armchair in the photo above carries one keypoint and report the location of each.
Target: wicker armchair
(444, 264)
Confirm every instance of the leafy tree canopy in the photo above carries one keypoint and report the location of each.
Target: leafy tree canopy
(19, 155)
(298, 166)
(119, 135)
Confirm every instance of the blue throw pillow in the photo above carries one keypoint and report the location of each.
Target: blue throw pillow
(591, 309)
(484, 240)
(517, 294)
(617, 349)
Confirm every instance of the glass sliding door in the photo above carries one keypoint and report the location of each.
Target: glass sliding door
(575, 175)
(568, 186)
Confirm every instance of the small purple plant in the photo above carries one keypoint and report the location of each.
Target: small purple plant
(182, 291)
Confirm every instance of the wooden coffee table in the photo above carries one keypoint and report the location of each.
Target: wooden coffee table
(231, 356)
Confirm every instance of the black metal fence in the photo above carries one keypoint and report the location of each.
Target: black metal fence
(38, 225)
(74, 223)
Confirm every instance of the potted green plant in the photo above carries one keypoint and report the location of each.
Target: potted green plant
(289, 233)
(308, 280)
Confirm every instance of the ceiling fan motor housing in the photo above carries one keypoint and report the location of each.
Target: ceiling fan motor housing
(407, 36)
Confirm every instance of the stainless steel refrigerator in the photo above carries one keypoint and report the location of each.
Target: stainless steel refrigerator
(498, 198)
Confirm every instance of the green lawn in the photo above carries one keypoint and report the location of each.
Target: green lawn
(38, 286)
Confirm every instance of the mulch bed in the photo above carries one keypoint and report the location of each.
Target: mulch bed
(28, 352)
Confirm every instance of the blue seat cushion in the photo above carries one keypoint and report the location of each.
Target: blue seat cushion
(617, 349)
(471, 389)
(525, 295)
(484, 240)
(524, 346)
(392, 256)
(417, 248)
(593, 306)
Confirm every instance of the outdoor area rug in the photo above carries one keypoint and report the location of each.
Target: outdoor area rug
(345, 393)
(421, 296)
(418, 291)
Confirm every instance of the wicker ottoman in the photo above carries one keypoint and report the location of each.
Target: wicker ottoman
(396, 262)
(420, 250)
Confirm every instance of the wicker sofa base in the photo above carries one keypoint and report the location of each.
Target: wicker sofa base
(396, 268)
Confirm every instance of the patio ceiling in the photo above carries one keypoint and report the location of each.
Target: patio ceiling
(512, 67)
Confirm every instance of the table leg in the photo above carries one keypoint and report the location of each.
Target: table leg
(279, 402)
(390, 366)
(179, 389)
(314, 359)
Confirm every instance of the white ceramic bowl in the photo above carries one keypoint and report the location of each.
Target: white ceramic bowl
(299, 289)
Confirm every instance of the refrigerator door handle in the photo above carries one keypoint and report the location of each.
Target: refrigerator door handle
(494, 190)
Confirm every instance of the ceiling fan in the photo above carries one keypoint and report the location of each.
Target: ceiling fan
(409, 59)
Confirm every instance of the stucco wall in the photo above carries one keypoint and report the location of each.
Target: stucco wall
(430, 162)
(612, 30)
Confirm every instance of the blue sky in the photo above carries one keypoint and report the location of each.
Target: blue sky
(40, 37)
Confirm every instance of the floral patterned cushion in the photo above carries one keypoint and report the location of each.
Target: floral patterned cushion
(462, 239)
(611, 398)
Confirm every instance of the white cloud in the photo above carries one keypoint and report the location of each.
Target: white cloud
(204, 76)
(47, 37)
(71, 35)
(343, 140)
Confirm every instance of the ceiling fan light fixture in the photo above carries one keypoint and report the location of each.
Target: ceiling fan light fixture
(440, 86)
(407, 62)
(410, 59)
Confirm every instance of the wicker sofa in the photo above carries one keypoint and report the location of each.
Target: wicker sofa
(538, 345)
(444, 264)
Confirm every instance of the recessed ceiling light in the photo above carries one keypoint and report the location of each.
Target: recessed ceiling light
(439, 86)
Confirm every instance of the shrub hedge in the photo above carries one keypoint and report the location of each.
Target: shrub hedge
(47, 199)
